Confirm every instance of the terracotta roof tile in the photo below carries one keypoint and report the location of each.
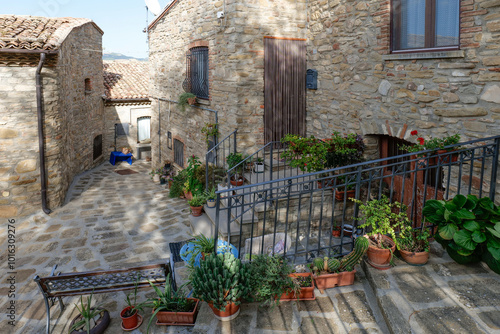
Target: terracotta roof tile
(36, 32)
(126, 79)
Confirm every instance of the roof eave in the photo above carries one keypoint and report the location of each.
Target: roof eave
(165, 12)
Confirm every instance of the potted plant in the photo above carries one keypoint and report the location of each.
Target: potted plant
(307, 154)
(177, 187)
(192, 184)
(199, 248)
(440, 146)
(172, 307)
(305, 283)
(185, 99)
(91, 320)
(413, 245)
(196, 205)
(258, 165)
(234, 159)
(211, 131)
(348, 189)
(382, 218)
(330, 272)
(130, 314)
(468, 227)
(155, 175)
(211, 197)
(222, 281)
(271, 278)
(343, 150)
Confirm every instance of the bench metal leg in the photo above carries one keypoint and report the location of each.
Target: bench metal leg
(47, 306)
(172, 274)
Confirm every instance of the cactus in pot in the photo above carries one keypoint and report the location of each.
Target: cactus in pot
(354, 257)
(221, 281)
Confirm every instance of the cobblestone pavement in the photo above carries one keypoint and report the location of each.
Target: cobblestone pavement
(109, 221)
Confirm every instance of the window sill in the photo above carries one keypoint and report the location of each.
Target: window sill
(88, 92)
(202, 101)
(425, 55)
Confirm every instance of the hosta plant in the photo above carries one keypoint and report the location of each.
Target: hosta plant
(469, 224)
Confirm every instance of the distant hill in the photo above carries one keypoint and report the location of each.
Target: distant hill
(115, 56)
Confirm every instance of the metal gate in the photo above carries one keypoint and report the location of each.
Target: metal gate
(179, 152)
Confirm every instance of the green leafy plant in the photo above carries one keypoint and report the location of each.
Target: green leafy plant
(197, 200)
(178, 184)
(183, 100)
(467, 223)
(168, 300)
(234, 159)
(210, 194)
(221, 279)
(87, 314)
(431, 144)
(133, 304)
(271, 278)
(382, 217)
(192, 182)
(413, 240)
(343, 150)
(201, 244)
(210, 130)
(308, 154)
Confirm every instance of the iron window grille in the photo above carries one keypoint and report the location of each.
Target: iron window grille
(196, 80)
(418, 25)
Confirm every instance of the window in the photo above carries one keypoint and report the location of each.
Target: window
(88, 86)
(196, 81)
(143, 128)
(425, 24)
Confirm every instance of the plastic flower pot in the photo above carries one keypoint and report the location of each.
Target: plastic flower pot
(231, 312)
(178, 318)
(211, 203)
(130, 321)
(306, 293)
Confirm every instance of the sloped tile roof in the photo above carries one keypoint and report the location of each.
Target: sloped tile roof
(36, 32)
(126, 79)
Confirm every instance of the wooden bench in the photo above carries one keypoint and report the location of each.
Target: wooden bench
(78, 284)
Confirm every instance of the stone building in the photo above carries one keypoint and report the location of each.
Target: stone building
(68, 52)
(127, 107)
(438, 77)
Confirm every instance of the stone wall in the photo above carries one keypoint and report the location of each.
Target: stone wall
(123, 113)
(72, 117)
(236, 57)
(363, 88)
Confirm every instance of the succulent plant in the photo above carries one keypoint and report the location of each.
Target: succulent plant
(221, 279)
(353, 258)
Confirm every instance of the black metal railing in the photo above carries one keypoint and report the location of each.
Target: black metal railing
(196, 80)
(304, 210)
(215, 161)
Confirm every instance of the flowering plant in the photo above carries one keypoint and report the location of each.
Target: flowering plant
(431, 144)
(308, 154)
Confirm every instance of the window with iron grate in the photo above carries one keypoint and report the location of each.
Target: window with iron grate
(196, 80)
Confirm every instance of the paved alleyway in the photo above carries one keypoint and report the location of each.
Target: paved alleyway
(109, 221)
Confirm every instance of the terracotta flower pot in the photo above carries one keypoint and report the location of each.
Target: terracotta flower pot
(339, 195)
(196, 210)
(188, 195)
(380, 258)
(416, 259)
(231, 312)
(336, 232)
(327, 281)
(191, 100)
(445, 158)
(306, 293)
(237, 183)
(131, 321)
(178, 318)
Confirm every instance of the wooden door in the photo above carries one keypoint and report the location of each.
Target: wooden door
(284, 87)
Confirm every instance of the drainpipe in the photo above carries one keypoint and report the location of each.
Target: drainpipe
(41, 149)
(159, 132)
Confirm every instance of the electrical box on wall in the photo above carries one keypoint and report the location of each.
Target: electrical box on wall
(312, 79)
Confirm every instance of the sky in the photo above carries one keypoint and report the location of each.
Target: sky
(121, 20)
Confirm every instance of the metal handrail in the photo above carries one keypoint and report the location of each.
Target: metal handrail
(215, 150)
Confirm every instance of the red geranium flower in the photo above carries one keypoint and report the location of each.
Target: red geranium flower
(305, 164)
(421, 140)
(414, 133)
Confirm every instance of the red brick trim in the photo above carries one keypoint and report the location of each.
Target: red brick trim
(198, 43)
(211, 67)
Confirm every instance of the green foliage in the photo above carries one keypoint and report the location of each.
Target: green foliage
(344, 150)
(87, 312)
(178, 184)
(234, 159)
(197, 200)
(308, 154)
(210, 194)
(183, 100)
(431, 144)
(270, 279)
(412, 240)
(210, 130)
(382, 217)
(201, 244)
(133, 304)
(168, 300)
(193, 183)
(467, 223)
(221, 279)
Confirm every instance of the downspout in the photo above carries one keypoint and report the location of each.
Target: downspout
(41, 149)
(159, 132)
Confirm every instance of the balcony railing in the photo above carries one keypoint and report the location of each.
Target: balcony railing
(215, 160)
(304, 210)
